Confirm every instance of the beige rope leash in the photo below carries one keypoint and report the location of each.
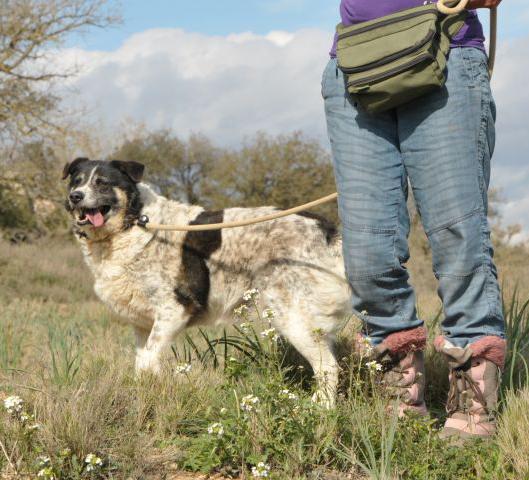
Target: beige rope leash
(493, 38)
(458, 6)
(143, 221)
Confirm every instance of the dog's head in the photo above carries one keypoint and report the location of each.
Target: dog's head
(103, 197)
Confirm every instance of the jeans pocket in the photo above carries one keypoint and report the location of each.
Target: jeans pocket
(487, 144)
(329, 75)
(476, 66)
(490, 144)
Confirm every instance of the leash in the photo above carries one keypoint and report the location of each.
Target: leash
(442, 5)
(457, 7)
(143, 221)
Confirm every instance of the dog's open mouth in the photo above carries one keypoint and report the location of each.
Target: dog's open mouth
(93, 216)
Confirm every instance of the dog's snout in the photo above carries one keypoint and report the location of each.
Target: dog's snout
(76, 197)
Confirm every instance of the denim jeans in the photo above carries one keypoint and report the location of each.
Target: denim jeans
(442, 143)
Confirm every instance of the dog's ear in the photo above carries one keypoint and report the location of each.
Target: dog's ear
(134, 170)
(70, 167)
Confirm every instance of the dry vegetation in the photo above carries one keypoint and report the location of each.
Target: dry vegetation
(71, 362)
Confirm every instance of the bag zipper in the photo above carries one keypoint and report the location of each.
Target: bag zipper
(384, 23)
(389, 73)
(391, 58)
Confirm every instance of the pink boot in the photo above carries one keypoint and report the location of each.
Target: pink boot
(474, 382)
(402, 360)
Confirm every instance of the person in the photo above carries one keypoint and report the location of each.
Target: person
(441, 144)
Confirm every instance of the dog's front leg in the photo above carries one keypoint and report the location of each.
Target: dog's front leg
(142, 335)
(169, 322)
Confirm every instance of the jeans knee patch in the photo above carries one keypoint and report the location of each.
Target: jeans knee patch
(368, 251)
(458, 247)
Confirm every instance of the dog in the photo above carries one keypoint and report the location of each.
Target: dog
(164, 282)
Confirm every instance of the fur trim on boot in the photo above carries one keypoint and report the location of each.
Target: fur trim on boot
(402, 360)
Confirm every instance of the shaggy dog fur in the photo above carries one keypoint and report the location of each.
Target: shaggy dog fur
(163, 282)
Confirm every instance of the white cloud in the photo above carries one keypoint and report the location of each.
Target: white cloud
(510, 171)
(225, 87)
(231, 86)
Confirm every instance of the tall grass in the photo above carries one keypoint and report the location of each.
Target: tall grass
(373, 449)
(516, 314)
(11, 344)
(72, 364)
(513, 437)
(65, 352)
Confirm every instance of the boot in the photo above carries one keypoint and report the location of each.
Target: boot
(402, 360)
(474, 382)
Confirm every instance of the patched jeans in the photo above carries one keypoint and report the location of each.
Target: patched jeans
(442, 143)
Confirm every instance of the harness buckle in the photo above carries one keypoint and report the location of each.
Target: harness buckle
(143, 220)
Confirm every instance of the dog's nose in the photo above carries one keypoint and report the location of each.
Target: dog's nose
(76, 197)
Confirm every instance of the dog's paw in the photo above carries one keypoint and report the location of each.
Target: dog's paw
(147, 362)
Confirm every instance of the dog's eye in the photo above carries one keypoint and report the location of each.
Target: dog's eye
(77, 181)
(101, 181)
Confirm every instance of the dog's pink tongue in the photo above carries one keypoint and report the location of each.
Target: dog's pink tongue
(96, 219)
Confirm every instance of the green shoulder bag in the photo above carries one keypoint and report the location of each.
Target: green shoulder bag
(394, 59)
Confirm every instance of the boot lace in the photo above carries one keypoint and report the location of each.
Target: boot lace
(456, 394)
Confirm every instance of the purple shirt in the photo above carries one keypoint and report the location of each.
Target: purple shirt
(358, 11)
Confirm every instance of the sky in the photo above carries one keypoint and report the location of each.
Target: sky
(229, 69)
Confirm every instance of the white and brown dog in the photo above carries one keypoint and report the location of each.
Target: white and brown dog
(163, 282)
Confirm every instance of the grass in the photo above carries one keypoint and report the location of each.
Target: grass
(71, 362)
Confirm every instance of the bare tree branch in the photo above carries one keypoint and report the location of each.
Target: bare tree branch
(29, 30)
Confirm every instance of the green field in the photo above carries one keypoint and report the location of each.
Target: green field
(71, 363)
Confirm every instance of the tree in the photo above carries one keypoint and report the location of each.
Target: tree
(178, 169)
(29, 30)
(284, 171)
(31, 196)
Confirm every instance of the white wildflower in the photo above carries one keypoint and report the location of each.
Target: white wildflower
(43, 461)
(183, 368)
(366, 341)
(269, 314)
(249, 403)
(245, 326)
(271, 334)
(65, 452)
(288, 394)
(374, 366)
(252, 294)
(35, 426)
(223, 411)
(92, 462)
(25, 417)
(241, 311)
(13, 404)
(262, 470)
(366, 345)
(216, 429)
(46, 473)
